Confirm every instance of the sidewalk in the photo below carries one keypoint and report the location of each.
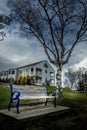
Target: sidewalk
(33, 113)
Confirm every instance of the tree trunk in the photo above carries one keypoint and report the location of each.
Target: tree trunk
(59, 82)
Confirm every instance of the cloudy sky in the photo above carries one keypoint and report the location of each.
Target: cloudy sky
(16, 51)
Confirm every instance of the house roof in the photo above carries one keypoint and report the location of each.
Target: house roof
(31, 64)
(35, 63)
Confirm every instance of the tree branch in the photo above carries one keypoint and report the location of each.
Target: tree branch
(50, 26)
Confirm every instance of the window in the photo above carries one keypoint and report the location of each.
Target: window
(38, 71)
(13, 71)
(45, 65)
(38, 80)
(4, 73)
(9, 72)
(26, 70)
(20, 71)
(51, 75)
(45, 71)
(32, 70)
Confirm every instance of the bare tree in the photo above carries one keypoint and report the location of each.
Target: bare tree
(71, 77)
(74, 76)
(59, 25)
(4, 23)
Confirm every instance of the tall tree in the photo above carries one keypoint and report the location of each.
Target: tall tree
(73, 77)
(59, 25)
(70, 78)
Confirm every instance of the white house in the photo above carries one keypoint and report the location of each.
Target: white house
(41, 71)
(3, 75)
(8, 74)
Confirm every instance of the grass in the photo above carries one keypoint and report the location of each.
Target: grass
(76, 119)
(74, 100)
(4, 97)
(71, 98)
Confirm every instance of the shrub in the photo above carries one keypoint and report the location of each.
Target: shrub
(25, 80)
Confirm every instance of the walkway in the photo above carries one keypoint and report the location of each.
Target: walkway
(31, 113)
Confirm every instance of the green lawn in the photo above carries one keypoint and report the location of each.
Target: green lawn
(74, 99)
(75, 119)
(71, 98)
(4, 97)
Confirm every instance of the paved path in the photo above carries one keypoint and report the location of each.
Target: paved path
(30, 114)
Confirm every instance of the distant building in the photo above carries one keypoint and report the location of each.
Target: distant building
(41, 71)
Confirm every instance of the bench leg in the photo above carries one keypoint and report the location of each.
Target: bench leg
(46, 102)
(54, 101)
(17, 106)
(10, 103)
(9, 106)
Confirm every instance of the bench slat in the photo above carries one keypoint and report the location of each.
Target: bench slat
(29, 92)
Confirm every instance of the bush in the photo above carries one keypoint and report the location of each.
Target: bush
(25, 80)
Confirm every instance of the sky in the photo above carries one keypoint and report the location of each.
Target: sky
(16, 51)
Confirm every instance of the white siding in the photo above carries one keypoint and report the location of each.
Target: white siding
(12, 75)
(42, 71)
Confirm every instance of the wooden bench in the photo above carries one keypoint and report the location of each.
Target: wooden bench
(20, 92)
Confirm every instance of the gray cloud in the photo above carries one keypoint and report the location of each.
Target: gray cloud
(79, 53)
(3, 7)
(6, 63)
(15, 51)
